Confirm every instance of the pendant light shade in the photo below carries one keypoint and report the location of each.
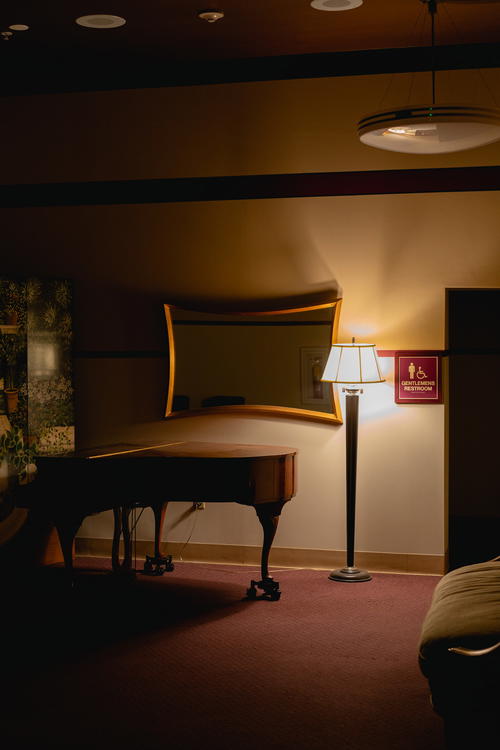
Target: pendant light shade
(430, 129)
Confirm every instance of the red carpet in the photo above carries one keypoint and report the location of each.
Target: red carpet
(182, 662)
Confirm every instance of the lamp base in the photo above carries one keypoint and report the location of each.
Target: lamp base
(355, 575)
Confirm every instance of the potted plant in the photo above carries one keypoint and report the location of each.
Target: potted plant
(12, 294)
(16, 468)
(19, 458)
(9, 349)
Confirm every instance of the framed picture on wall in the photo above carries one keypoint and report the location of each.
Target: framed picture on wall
(312, 364)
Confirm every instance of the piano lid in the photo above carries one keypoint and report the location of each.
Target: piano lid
(188, 449)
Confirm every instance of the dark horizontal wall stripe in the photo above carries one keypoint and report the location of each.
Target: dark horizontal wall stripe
(426, 352)
(249, 187)
(103, 72)
(474, 351)
(101, 354)
(454, 352)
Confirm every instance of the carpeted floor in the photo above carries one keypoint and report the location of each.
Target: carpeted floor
(183, 661)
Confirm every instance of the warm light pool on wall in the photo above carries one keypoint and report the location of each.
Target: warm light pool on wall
(430, 128)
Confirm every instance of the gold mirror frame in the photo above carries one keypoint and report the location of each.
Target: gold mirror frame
(323, 300)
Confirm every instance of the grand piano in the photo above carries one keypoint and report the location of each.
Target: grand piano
(69, 487)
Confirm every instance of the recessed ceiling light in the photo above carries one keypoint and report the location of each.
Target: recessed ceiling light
(336, 4)
(100, 21)
(211, 14)
(19, 27)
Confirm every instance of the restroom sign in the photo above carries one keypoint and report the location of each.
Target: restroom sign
(417, 378)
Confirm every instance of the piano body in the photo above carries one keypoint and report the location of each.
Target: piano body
(69, 487)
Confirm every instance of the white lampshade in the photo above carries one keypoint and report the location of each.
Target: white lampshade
(430, 129)
(353, 363)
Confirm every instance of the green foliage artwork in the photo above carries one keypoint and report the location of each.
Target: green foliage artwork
(36, 390)
(49, 383)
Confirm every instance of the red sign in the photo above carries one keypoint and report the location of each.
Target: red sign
(417, 378)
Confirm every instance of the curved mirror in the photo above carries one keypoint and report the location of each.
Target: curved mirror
(266, 362)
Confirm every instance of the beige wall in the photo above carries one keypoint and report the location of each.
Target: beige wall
(249, 128)
(392, 256)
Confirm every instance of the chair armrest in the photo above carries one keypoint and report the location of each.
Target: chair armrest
(473, 652)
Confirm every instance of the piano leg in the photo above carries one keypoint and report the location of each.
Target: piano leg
(158, 564)
(66, 531)
(121, 516)
(269, 516)
(127, 540)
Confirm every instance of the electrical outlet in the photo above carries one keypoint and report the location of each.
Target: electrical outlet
(198, 506)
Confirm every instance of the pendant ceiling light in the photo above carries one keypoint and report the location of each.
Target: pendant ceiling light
(430, 128)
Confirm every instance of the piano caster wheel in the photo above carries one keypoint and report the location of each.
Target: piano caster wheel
(269, 586)
(157, 566)
(252, 591)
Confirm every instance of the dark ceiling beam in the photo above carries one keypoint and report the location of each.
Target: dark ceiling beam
(41, 74)
(251, 187)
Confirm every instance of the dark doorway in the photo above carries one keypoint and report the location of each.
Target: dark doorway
(473, 419)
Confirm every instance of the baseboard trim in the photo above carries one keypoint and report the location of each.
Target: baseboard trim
(288, 557)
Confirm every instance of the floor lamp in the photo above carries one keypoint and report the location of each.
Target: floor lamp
(352, 365)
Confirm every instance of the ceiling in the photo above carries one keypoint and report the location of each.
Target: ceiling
(163, 42)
